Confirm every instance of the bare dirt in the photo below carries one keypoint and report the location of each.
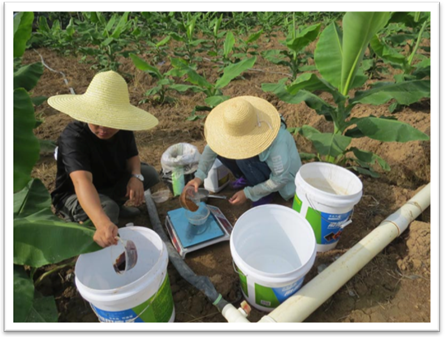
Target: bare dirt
(393, 287)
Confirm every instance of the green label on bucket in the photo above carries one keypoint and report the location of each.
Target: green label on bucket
(273, 297)
(158, 308)
(243, 281)
(297, 204)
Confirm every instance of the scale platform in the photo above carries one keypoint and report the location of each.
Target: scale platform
(187, 238)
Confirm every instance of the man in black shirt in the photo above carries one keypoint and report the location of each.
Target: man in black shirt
(98, 166)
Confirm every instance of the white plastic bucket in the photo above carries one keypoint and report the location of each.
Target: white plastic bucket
(273, 248)
(218, 177)
(142, 294)
(326, 195)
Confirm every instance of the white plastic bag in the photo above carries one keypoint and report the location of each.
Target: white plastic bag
(180, 155)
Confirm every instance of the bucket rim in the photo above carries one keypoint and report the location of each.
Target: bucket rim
(352, 198)
(134, 284)
(273, 276)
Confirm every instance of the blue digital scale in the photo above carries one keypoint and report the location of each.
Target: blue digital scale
(187, 238)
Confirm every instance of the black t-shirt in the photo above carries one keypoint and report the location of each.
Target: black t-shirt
(81, 150)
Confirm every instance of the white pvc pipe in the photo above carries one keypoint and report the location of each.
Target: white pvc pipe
(298, 307)
(233, 315)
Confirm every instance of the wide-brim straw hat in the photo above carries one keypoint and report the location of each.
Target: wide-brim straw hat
(242, 127)
(106, 103)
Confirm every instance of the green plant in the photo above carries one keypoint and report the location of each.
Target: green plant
(295, 56)
(164, 84)
(268, 21)
(109, 39)
(187, 27)
(159, 49)
(61, 40)
(40, 238)
(244, 46)
(337, 56)
(216, 36)
(212, 91)
(405, 61)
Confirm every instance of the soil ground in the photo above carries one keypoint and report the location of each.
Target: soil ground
(393, 287)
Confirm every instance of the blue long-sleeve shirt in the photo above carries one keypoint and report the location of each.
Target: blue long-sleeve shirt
(282, 158)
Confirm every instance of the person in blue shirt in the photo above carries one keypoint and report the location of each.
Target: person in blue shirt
(248, 135)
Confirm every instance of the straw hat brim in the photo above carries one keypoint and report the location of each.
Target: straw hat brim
(121, 116)
(244, 146)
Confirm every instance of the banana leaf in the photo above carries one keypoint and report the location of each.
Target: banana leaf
(27, 76)
(303, 38)
(328, 57)
(407, 92)
(228, 44)
(234, 70)
(280, 90)
(22, 31)
(40, 237)
(23, 294)
(388, 129)
(358, 29)
(369, 157)
(26, 145)
(144, 66)
(326, 144)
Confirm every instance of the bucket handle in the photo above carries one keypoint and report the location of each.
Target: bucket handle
(236, 271)
(348, 221)
(135, 318)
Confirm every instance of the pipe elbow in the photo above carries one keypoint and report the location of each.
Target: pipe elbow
(233, 315)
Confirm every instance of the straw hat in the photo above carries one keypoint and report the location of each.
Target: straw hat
(242, 127)
(106, 103)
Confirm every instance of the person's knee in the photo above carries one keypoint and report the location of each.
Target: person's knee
(151, 176)
(111, 209)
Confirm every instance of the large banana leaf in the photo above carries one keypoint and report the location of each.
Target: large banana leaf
(328, 54)
(40, 237)
(326, 144)
(26, 145)
(22, 31)
(404, 93)
(358, 29)
(338, 55)
(23, 294)
(27, 76)
(329, 57)
(44, 309)
(29, 305)
(388, 129)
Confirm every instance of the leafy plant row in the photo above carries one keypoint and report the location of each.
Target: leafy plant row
(345, 58)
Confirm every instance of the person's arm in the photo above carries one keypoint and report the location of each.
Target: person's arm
(278, 158)
(106, 231)
(206, 161)
(135, 187)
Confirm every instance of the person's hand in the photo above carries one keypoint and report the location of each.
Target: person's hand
(105, 234)
(135, 191)
(195, 182)
(238, 198)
